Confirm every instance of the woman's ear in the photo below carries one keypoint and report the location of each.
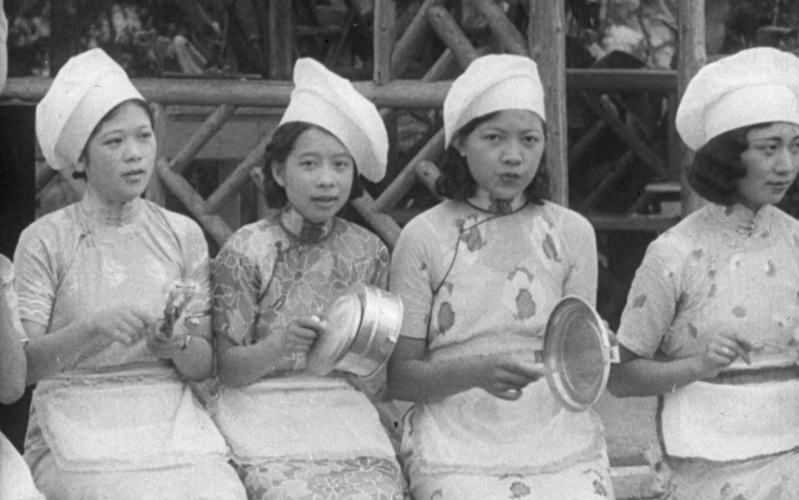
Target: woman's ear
(278, 173)
(81, 165)
(457, 143)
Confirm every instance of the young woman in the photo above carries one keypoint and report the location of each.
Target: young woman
(711, 320)
(479, 275)
(293, 434)
(15, 477)
(112, 415)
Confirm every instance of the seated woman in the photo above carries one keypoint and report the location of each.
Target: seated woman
(293, 434)
(112, 415)
(479, 275)
(711, 320)
(16, 482)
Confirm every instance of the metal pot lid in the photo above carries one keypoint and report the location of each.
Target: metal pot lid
(577, 354)
(343, 317)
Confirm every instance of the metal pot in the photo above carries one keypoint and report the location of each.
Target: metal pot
(363, 326)
(577, 354)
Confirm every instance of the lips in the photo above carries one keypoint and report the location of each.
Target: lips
(134, 174)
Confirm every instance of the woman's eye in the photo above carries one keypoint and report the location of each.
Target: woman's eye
(768, 149)
(146, 135)
(341, 165)
(307, 163)
(114, 141)
(794, 148)
(491, 137)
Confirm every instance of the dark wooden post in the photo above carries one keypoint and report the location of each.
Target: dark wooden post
(547, 39)
(384, 39)
(691, 57)
(281, 40)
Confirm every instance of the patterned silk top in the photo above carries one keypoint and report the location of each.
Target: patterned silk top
(284, 267)
(720, 270)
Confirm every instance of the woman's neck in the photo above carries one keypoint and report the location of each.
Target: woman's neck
(484, 201)
(112, 213)
(301, 228)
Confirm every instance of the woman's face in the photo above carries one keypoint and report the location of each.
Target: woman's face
(317, 175)
(120, 157)
(771, 161)
(504, 153)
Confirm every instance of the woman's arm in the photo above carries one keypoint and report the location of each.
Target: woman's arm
(235, 308)
(412, 378)
(62, 349)
(635, 376)
(12, 357)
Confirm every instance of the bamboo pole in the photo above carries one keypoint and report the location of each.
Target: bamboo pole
(500, 25)
(607, 111)
(622, 167)
(585, 143)
(234, 182)
(691, 57)
(406, 179)
(281, 39)
(413, 38)
(385, 227)
(547, 45)
(155, 189)
(397, 93)
(450, 33)
(181, 188)
(212, 125)
(385, 16)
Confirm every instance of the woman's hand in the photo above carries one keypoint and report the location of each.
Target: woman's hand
(300, 335)
(167, 347)
(124, 324)
(720, 352)
(505, 376)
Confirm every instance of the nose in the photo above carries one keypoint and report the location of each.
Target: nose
(326, 175)
(786, 162)
(133, 150)
(512, 153)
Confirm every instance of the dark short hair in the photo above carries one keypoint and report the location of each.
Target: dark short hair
(278, 151)
(108, 116)
(457, 183)
(717, 166)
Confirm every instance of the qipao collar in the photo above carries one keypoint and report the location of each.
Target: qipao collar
(302, 229)
(487, 203)
(742, 220)
(97, 211)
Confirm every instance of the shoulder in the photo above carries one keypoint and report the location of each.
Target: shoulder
(54, 229)
(566, 218)
(180, 223)
(436, 222)
(256, 237)
(353, 230)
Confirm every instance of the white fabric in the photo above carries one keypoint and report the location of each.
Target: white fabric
(300, 419)
(16, 482)
(97, 424)
(731, 422)
(88, 86)
(500, 441)
(325, 99)
(492, 83)
(754, 86)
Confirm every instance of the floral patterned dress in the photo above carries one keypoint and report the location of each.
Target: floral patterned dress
(106, 428)
(724, 269)
(479, 278)
(267, 274)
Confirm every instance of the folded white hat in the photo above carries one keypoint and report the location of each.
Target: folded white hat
(492, 83)
(331, 102)
(86, 88)
(758, 85)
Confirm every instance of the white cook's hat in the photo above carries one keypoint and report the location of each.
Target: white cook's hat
(86, 88)
(492, 83)
(329, 101)
(758, 85)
